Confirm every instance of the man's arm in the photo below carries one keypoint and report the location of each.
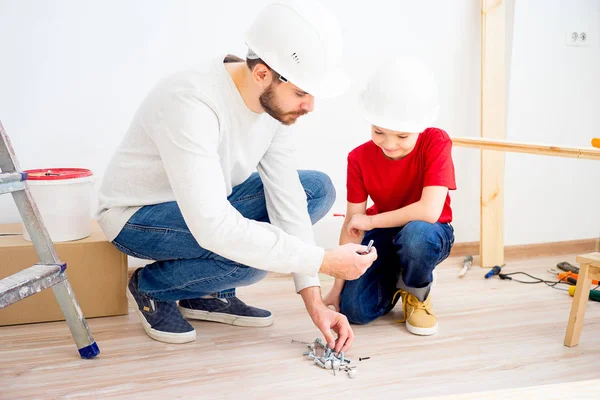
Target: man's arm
(186, 132)
(287, 207)
(286, 199)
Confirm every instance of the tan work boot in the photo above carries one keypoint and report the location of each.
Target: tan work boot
(418, 316)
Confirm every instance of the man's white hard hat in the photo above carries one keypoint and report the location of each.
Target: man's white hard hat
(302, 41)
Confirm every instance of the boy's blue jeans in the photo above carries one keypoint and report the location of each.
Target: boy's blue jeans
(406, 258)
(184, 270)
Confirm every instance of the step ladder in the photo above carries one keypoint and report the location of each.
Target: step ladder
(50, 272)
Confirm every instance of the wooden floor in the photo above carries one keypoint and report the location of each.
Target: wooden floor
(498, 337)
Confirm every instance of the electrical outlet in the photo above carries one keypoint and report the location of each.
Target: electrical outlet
(577, 37)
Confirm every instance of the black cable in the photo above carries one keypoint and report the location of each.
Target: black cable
(552, 284)
(537, 280)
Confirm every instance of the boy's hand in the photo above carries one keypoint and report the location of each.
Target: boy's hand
(358, 224)
(333, 299)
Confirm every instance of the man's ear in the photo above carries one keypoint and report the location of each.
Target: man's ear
(262, 75)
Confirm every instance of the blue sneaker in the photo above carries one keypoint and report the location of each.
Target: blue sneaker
(161, 320)
(231, 311)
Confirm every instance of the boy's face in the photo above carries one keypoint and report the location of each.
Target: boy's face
(394, 144)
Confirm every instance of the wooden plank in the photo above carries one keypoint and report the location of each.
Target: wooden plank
(493, 122)
(528, 148)
(580, 299)
(590, 258)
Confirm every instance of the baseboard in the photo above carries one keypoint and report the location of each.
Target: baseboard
(532, 250)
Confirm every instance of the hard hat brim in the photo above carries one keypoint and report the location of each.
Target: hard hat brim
(334, 84)
(398, 126)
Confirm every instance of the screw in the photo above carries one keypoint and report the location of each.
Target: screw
(318, 362)
(336, 364)
(297, 341)
(363, 358)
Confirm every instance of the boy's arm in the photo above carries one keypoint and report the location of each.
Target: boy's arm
(437, 180)
(351, 210)
(428, 209)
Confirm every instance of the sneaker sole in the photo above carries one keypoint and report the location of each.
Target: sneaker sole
(225, 318)
(415, 330)
(166, 337)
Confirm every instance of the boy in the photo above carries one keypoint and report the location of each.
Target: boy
(407, 170)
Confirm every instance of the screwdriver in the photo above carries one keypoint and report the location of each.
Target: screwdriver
(594, 294)
(563, 276)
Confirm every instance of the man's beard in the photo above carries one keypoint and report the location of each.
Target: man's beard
(268, 103)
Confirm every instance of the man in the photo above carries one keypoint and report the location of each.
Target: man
(181, 189)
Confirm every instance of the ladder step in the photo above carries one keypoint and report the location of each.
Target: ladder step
(30, 281)
(12, 182)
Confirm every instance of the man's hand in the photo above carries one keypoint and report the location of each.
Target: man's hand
(347, 261)
(358, 224)
(327, 320)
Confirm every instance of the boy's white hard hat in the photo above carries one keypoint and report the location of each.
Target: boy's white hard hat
(302, 41)
(401, 95)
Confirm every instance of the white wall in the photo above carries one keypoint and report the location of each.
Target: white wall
(73, 73)
(555, 99)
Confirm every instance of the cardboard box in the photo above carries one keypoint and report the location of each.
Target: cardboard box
(96, 270)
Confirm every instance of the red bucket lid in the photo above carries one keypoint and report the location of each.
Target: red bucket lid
(53, 174)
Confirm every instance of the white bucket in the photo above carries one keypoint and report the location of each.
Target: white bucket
(63, 197)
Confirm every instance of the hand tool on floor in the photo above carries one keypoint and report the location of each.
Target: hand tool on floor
(564, 276)
(565, 266)
(594, 294)
(467, 262)
(494, 271)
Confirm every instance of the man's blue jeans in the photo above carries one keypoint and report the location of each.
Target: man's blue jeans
(406, 258)
(184, 270)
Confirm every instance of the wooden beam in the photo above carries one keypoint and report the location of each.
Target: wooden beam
(493, 116)
(528, 148)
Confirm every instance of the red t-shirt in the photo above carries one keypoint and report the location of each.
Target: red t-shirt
(393, 184)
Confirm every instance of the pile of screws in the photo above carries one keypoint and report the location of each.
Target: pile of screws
(324, 357)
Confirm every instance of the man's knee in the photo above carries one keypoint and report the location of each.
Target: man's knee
(320, 193)
(252, 276)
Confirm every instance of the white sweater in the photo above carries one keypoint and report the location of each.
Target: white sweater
(192, 140)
